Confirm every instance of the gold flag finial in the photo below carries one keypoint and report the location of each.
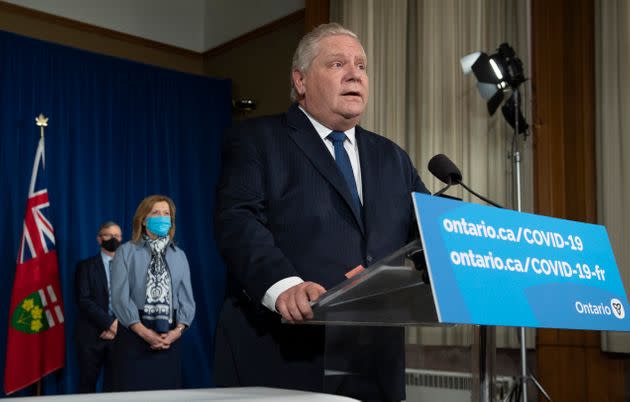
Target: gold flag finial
(41, 121)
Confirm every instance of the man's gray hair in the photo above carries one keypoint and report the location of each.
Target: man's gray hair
(105, 225)
(308, 48)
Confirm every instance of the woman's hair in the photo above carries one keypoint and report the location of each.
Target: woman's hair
(144, 209)
(309, 47)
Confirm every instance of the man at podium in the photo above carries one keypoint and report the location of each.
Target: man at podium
(303, 198)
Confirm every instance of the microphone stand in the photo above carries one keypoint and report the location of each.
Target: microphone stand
(444, 189)
(481, 197)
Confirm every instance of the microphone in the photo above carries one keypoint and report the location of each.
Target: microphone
(444, 169)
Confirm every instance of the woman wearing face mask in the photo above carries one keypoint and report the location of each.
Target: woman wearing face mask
(153, 300)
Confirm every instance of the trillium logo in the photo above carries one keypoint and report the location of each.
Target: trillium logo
(617, 308)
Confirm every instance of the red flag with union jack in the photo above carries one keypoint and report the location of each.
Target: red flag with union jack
(35, 342)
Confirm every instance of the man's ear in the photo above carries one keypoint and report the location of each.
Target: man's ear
(298, 82)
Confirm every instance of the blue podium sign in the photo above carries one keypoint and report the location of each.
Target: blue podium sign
(492, 266)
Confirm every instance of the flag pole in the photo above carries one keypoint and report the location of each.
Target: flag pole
(42, 122)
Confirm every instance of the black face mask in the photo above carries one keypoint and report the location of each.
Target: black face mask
(110, 245)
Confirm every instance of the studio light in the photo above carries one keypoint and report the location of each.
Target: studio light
(496, 74)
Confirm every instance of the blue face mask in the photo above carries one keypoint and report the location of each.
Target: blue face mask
(159, 225)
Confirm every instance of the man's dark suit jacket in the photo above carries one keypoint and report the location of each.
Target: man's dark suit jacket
(284, 209)
(93, 300)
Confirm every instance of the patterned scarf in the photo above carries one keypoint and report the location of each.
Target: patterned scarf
(157, 313)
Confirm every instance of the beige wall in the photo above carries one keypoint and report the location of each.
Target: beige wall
(260, 68)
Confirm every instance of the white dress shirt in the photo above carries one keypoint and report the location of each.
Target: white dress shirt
(270, 297)
(106, 259)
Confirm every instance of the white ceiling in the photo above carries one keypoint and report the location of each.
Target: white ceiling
(196, 25)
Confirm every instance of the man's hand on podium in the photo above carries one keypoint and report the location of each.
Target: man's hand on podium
(294, 303)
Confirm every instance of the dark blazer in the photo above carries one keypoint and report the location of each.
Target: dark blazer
(93, 299)
(284, 209)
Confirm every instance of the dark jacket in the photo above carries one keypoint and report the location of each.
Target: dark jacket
(284, 210)
(92, 298)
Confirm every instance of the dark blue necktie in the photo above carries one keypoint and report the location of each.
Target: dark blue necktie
(343, 162)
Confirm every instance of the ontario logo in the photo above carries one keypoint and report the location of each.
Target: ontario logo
(615, 308)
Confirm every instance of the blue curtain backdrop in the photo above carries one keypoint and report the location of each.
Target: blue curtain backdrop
(117, 131)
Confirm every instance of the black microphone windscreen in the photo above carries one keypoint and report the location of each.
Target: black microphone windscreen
(444, 169)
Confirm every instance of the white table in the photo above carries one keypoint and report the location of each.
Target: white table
(246, 394)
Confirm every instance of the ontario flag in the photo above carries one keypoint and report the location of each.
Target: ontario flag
(35, 342)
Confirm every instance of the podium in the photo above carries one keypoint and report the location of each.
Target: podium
(393, 292)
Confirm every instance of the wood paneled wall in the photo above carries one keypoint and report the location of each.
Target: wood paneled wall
(571, 365)
(317, 13)
(259, 65)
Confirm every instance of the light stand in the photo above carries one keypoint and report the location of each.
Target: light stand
(497, 74)
(521, 386)
(516, 157)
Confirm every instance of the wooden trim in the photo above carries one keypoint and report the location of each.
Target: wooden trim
(109, 33)
(317, 13)
(258, 32)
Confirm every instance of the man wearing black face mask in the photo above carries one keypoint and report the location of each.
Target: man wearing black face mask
(97, 325)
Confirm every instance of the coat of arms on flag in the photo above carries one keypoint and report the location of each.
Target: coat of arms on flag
(35, 342)
(34, 315)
